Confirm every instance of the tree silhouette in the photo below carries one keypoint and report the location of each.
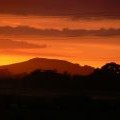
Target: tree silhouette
(111, 71)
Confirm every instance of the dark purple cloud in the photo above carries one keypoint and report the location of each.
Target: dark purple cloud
(70, 8)
(25, 30)
(12, 44)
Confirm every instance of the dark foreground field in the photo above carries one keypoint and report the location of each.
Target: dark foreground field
(51, 95)
(14, 107)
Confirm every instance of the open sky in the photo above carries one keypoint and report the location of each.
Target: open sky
(80, 31)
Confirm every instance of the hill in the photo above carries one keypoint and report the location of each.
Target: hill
(48, 64)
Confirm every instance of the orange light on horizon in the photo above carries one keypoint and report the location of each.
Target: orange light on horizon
(6, 60)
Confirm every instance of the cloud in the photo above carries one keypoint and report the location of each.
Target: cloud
(70, 8)
(25, 30)
(12, 44)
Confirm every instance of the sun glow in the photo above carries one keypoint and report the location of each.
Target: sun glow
(7, 59)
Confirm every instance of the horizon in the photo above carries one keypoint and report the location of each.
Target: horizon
(83, 32)
(27, 60)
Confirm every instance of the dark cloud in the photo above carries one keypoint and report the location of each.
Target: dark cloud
(25, 30)
(12, 44)
(70, 8)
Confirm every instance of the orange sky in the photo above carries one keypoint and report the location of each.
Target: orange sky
(90, 40)
(90, 50)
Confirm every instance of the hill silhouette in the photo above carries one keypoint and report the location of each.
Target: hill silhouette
(4, 73)
(49, 91)
(48, 64)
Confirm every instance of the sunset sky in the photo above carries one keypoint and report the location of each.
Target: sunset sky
(80, 31)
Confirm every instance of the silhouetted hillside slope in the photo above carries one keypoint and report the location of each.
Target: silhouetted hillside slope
(4, 73)
(48, 64)
(50, 92)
